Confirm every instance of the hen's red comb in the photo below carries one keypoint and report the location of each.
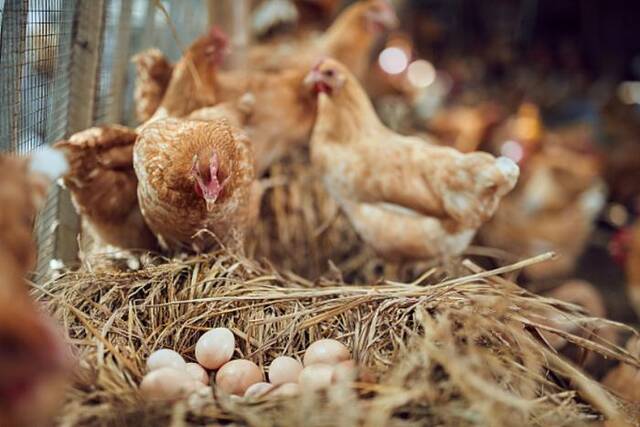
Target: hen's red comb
(218, 36)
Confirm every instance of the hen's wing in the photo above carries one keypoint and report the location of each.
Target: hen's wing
(153, 73)
(104, 185)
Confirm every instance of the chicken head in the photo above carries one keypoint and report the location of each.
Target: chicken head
(208, 184)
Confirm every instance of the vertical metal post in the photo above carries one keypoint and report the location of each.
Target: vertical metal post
(120, 65)
(12, 57)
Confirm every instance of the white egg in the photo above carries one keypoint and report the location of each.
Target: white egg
(284, 369)
(287, 390)
(168, 384)
(164, 358)
(316, 377)
(197, 372)
(326, 351)
(258, 389)
(215, 348)
(236, 376)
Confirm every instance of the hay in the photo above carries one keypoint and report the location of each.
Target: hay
(457, 346)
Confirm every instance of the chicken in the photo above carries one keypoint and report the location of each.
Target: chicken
(553, 209)
(194, 185)
(624, 380)
(192, 84)
(34, 361)
(350, 39)
(103, 185)
(404, 196)
(153, 73)
(25, 183)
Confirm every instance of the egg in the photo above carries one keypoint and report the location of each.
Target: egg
(215, 348)
(258, 389)
(287, 390)
(168, 384)
(326, 351)
(316, 377)
(236, 376)
(284, 369)
(197, 372)
(164, 358)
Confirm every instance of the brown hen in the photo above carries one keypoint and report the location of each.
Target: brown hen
(193, 79)
(104, 186)
(34, 361)
(195, 180)
(405, 197)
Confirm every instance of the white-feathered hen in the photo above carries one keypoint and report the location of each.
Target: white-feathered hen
(404, 196)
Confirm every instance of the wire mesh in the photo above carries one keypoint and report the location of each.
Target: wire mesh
(35, 52)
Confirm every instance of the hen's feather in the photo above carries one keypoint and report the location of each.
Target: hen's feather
(103, 185)
(163, 158)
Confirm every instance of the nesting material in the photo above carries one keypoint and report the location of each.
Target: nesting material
(460, 351)
(455, 345)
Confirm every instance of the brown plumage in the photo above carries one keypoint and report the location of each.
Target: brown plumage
(193, 79)
(185, 204)
(34, 361)
(350, 39)
(153, 73)
(103, 185)
(405, 197)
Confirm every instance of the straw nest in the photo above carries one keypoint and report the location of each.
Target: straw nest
(456, 346)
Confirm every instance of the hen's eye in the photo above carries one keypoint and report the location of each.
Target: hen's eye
(328, 73)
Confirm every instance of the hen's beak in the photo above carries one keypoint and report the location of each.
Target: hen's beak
(211, 203)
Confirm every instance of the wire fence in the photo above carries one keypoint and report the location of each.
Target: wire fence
(64, 65)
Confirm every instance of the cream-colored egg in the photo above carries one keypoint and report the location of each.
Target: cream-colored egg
(287, 390)
(168, 384)
(326, 351)
(215, 348)
(258, 389)
(316, 377)
(284, 369)
(165, 358)
(197, 372)
(236, 376)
